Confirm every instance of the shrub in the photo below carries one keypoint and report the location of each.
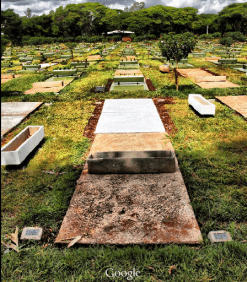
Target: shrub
(117, 37)
(68, 39)
(227, 41)
(206, 36)
(60, 39)
(78, 38)
(216, 35)
(49, 40)
(236, 36)
(36, 40)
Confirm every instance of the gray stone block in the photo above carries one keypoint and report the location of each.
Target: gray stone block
(132, 162)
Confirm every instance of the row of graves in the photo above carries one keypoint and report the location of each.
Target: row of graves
(128, 76)
(223, 56)
(64, 69)
(140, 197)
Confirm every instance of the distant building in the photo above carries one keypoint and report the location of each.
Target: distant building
(123, 33)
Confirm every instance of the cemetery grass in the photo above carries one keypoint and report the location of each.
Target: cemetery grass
(212, 157)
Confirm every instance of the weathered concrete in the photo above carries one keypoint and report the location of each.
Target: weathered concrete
(237, 103)
(131, 142)
(131, 162)
(48, 84)
(12, 113)
(210, 78)
(149, 208)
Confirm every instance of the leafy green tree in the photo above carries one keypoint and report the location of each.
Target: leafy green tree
(11, 26)
(227, 42)
(71, 46)
(4, 43)
(176, 47)
(28, 13)
(233, 18)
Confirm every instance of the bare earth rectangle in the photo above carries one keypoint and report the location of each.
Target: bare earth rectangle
(237, 103)
(152, 208)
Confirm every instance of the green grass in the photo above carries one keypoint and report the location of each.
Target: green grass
(212, 156)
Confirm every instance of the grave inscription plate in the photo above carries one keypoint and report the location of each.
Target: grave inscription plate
(219, 236)
(33, 233)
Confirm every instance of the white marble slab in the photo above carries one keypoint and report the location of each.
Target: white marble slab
(129, 116)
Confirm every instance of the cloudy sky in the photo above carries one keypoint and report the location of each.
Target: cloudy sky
(39, 7)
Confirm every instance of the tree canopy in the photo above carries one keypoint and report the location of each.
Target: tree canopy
(87, 19)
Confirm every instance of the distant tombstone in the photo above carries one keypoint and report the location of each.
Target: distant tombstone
(33, 233)
(99, 88)
(219, 236)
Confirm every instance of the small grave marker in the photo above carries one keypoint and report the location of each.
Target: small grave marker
(219, 236)
(33, 233)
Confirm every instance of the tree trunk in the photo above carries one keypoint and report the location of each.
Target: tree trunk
(176, 78)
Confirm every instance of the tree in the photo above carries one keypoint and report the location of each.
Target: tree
(227, 42)
(11, 26)
(4, 43)
(233, 18)
(71, 46)
(28, 13)
(176, 47)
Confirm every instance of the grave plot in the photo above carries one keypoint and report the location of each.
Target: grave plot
(7, 77)
(128, 80)
(49, 86)
(13, 113)
(95, 58)
(231, 63)
(130, 115)
(205, 79)
(150, 208)
(237, 103)
(212, 59)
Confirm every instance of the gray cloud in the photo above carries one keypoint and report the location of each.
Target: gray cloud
(40, 7)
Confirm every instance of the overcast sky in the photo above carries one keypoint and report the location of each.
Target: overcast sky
(39, 7)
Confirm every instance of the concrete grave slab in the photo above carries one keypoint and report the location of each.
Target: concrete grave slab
(48, 86)
(129, 106)
(237, 103)
(129, 122)
(12, 113)
(131, 141)
(210, 78)
(151, 208)
(131, 162)
(129, 115)
(9, 122)
(217, 84)
(206, 84)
